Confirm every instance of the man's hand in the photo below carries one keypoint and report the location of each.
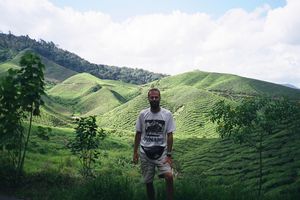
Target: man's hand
(168, 160)
(135, 158)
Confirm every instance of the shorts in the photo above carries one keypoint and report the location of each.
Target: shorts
(148, 166)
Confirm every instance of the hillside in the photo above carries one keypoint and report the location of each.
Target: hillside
(227, 162)
(198, 151)
(85, 94)
(228, 84)
(53, 73)
(190, 113)
(190, 96)
(11, 46)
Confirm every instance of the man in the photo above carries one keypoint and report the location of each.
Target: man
(154, 140)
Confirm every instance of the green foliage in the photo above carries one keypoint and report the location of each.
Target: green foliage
(217, 159)
(11, 130)
(252, 116)
(20, 92)
(86, 144)
(31, 79)
(106, 187)
(197, 150)
(56, 186)
(44, 133)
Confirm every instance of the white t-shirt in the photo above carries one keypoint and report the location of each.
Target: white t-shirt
(154, 127)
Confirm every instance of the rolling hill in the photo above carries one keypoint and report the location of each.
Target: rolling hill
(190, 96)
(228, 84)
(199, 152)
(53, 73)
(11, 46)
(85, 94)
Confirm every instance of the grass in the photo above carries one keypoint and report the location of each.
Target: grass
(228, 83)
(52, 185)
(206, 166)
(190, 114)
(85, 94)
(217, 159)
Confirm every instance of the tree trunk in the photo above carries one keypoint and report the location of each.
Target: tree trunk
(27, 140)
(19, 152)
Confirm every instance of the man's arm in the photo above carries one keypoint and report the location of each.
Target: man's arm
(169, 148)
(137, 140)
(170, 143)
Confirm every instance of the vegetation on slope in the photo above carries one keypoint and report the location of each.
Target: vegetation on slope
(11, 45)
(85, 94)
(53, 73)
(206, 167)
(228, 84)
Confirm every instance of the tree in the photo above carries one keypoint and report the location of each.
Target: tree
(11, 130)
(86, 143)
(20, 93)
(252, 120)
(31, 79)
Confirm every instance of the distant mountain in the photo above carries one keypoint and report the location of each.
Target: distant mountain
(228, 84)
(291, 86)
(11, 46)
(54, 73)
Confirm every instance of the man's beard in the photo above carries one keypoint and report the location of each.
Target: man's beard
(154, 105)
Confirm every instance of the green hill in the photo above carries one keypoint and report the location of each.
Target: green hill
(190, 96)
(228, 84)
(56, 73)
(85, 94)
(227, 162)
(198, 150)
(190, 113)
(53, 73)
(11, 46)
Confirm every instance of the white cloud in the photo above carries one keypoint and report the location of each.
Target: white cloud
(262, 44)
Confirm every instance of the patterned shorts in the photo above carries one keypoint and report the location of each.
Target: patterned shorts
(148, 166)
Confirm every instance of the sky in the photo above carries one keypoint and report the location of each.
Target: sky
(257, 39)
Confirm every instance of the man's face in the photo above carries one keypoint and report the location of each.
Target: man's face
(154, 99)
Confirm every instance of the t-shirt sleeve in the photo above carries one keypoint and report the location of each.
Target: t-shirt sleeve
(171, 124)
(138, 125)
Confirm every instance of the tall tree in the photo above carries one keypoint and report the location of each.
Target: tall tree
(31, 79)
(11, 130)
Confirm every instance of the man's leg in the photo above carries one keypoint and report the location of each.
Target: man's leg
(169, 185)
(148, 171)
(150, 191)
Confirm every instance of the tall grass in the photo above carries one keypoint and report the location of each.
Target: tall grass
(110, 186)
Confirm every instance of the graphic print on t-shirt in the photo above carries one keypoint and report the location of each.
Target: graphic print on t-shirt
(154, 130)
